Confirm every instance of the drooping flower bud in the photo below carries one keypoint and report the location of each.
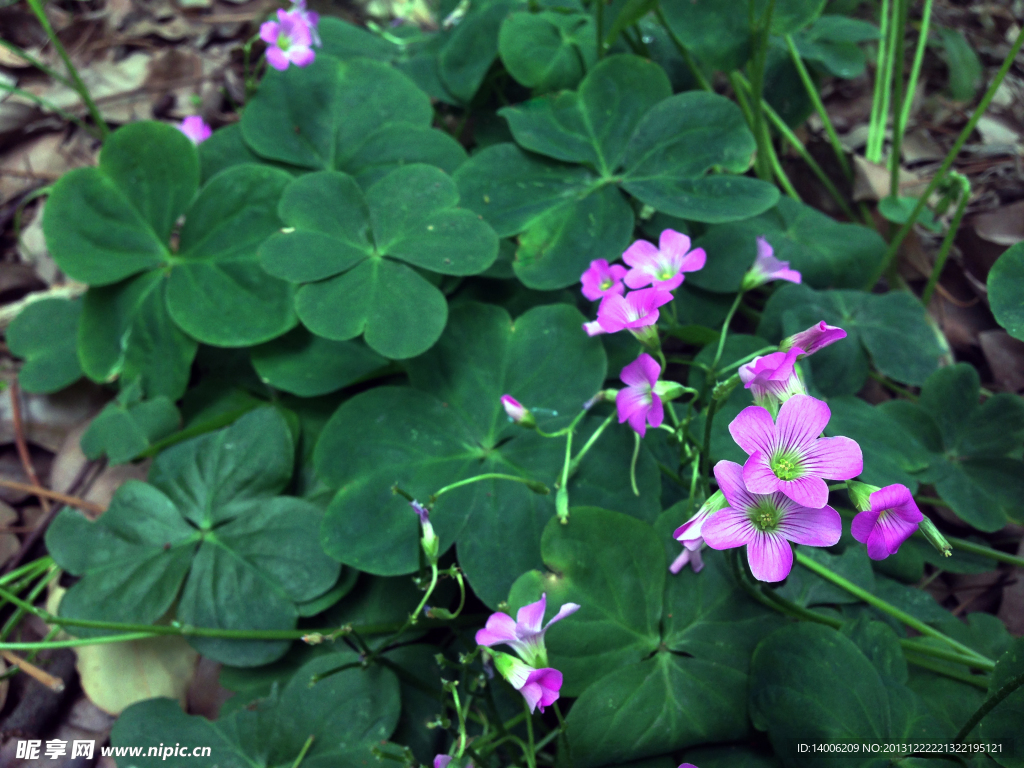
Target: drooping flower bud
(814, 338)
(538, 686)
(860, 494)
(517, 412)
(429, 541)
(767, 268)
(773, 379)
(935, 537)
(891, 517)
(688, 534)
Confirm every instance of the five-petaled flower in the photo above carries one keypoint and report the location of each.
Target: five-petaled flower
(662, 266)
(772, 378)
(766, 523)
(892, 519)
(288, 40)
(195, 128)
(767, 268)
(814, 338)
(602, 278)
(638, 403)
(538, 686)
(311, 18)
(635, 310)
(525, 635)
(788, 455)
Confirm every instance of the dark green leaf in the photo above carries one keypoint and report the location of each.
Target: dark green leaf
(1002, 724)
(44, 335)
(1005, 294)
(547, 51)
(471, 49)
(307, 365)
(122, 432)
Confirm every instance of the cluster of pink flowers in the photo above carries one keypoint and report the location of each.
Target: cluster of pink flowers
(291, 38)
(528, 672)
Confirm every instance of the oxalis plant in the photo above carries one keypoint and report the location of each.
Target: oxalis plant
(510, 319)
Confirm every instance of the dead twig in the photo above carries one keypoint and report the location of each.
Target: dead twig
(47, 494)
(23, 454)
(55, 684)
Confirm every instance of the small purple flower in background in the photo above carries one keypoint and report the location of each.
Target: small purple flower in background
(773, 378)
(688, 534)
(662, 266)
(594, 328)
(441, 761)
(602, 279)
(637, 309)
(288, 40)
(788, 455)
(638, 403)
(195, 128)
(538, 686)
(767, 268)
(765, 524)
(517, 412)
(892, 519)
(525, 635)
(814, 338)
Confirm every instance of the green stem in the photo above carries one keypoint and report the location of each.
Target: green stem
(877, 114)
(690, 63)
(35, 566)
(79, 86)
(19, 613)
(762, 162)
(813, 565)
(534, 484)
(883, 113)
(893, 387)
(943, 254)
(531, 754)
(725, 332)
(901, 11)
(632, 464)
(575, 463)
(940, 174)
(302, 752)
(213, 423)
(989, 704)
(992, 554)
(36, 63)
(942, 669)
(47, 105)
(748, 358)
(819, 106)
(705, 453)
(915, 69)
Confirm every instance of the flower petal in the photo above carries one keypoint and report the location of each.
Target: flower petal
(531, 617)
(567, 609)
(672, 242)
(899, 499)
(801, 419)
(770, 557)
(753, 430)
(758, 475)
(640, 254)
(813, 527)
(276, 58)
(632, 401)
(656, 415)
(890, 532)
(642, 371)
(835, 458)
(269, 31)
(728, 528)
(863, 524)
(500, 628)
(694, 260)
(729, 476)
(806, 491)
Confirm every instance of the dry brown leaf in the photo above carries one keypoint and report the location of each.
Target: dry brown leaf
(871, 181)
(1005, 357)
(919, 146)
(1003, 226)
(9, 542)
(69, 462)
(49, 418)
(33, 251)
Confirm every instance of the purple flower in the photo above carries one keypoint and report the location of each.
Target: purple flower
(637, 309)
(788, 456)
(662, 266)
(766, 523)
(594, 328)
(767, 268)
(288, 39)
(538, 686)
(814, 338)
(441, 761)
(421, 511)
(429, 541)
(773, 378)
(689, 557)
(602, 279)
(638, 403)
(525, 635)
(517, 412)
(195, 128)
(892, 519)
(688, 534)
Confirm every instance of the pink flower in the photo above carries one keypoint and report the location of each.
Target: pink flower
(195, 128)
(602, 279)
(638, 403)
(688, 534)
(441, 761)
(788, 456)
(892, 519)
(637, 309)
(767, 268)
(525, 635)
(689, 557)
(814, 338)
(311, 19)
(516, 412)
(538, 686)
(288, 40)
(594, 328)
(773, 378)
(765, 524)
(662, 266)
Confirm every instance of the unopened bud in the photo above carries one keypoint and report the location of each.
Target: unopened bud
(670, 390)
(648, 336)
(538, 487)
(517, 412)
(725, 388)
(562, 504)
(935, 537)
(860, 494)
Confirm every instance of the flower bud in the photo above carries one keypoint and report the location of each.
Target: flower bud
(935, 537)
(562, 504)
(814, 338)
(517, 413)
(670, 390)
(429, 541)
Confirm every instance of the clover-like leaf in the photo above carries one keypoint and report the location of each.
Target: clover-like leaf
(44, 335)
(308, 365)
(207, 533)
(344, 715)
(547, 51)
(349, 247)
(1005, 281)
